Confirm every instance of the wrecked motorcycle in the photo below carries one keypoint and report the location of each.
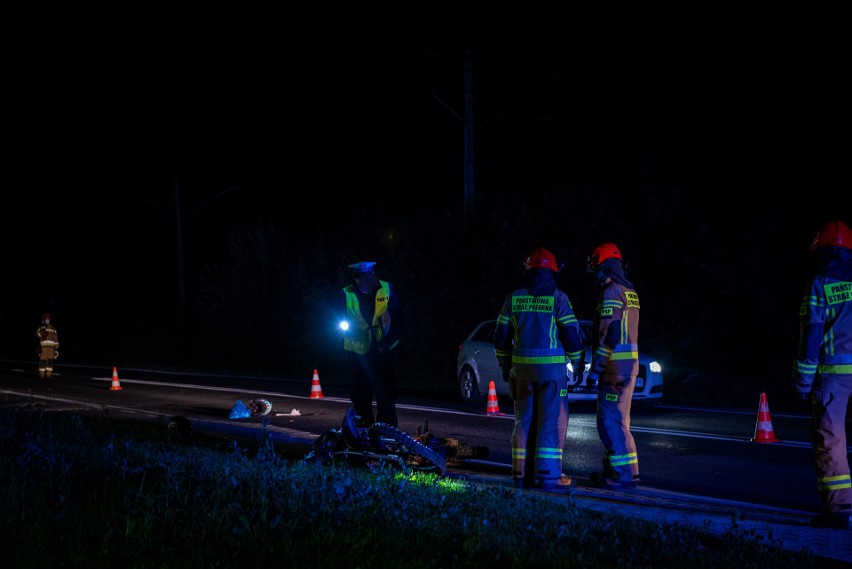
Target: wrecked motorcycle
(382, 445)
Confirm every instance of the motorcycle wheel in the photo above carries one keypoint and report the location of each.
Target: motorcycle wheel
(411, 448)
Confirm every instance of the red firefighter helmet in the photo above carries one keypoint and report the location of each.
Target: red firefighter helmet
(600, 254)
(833, 233)
(541, 258)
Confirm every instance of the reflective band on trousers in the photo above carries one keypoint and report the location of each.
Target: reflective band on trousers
(623, 459)
(834, 482)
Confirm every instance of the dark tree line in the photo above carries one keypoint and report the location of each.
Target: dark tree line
(711, 189)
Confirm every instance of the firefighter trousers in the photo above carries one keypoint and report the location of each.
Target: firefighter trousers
(615, 396)
(45, 361)
(830, 400)
(541, 425)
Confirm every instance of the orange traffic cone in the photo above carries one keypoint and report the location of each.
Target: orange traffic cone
(316, 390)
(493, 408)
(115, 385)
(763, 432)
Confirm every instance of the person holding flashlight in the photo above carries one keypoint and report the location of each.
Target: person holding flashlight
(374, 326)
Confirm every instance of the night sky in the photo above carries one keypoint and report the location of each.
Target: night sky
(96, 145)
(284, 132)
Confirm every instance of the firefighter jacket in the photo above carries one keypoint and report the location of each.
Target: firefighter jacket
(825, 320)
(373, 319)
(537, 331)
(48, 339)
(615, 332)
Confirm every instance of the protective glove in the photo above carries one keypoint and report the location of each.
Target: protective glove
(506, 372)
(804, 389)
(802, 382)
(55, 354)
(592, 380)
(578, 373)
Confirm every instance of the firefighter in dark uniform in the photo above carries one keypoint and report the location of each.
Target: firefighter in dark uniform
(374, 327)
(615, 365)
(536, 335)
(48, 347)
(822, 371)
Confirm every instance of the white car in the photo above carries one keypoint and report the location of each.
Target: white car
(477, 367)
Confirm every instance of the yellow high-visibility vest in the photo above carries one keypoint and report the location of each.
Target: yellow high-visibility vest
(359, 337)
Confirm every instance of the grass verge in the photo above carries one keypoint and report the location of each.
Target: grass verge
(91, 490)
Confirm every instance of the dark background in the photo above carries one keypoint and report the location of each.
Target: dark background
(709, 155)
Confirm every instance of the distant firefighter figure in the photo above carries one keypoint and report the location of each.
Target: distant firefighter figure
(48, 347)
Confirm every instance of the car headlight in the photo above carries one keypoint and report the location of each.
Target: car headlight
(655, 367)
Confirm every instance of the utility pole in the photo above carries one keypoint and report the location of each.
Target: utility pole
(181, 271)
(468, 126)
(179, 254)
(469, 193)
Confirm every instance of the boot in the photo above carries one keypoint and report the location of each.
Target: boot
(561, 484)
(601, 481)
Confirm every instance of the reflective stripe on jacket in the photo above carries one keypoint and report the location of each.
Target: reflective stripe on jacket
(615, 332)
(47, 336)
(825, 319)
(529, 327)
